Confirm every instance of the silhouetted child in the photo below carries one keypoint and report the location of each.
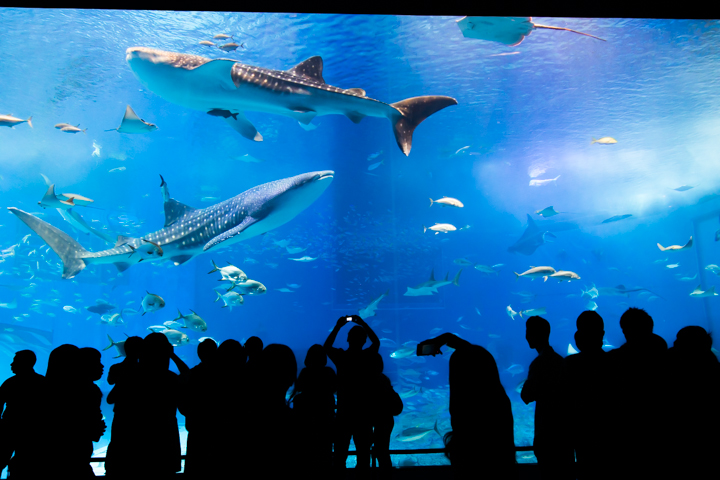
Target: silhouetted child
(545, 386)
(91, 397)
(121, 433)
(482, 441)
(354, 367)
(588, 379)
(200, 422)
(232, 389)
(21, 396)
(313, 401)
(385, 404)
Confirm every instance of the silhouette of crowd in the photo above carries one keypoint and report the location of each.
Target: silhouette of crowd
(642, 410)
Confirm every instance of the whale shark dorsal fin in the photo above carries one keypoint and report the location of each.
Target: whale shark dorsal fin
(175, 210)
(311, 68)
(361, 92)
(230, 233)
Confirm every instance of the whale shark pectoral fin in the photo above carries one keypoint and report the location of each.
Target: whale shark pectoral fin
(230, 233)
(243, 126)
(122, 266)
(217, 69)
(311, 68)
(175, 210)
(303, 115)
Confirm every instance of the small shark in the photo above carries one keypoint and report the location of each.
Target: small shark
(66, 201)
(369, 311)
(229, 88)
(131, 123)
(189, 232)
(531, 239)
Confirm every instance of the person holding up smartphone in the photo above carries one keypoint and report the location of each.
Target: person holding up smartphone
(354, 379)
(482, 441)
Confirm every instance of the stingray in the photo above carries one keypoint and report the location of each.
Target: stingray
(131, 123)
(531, 239)
(507, 30)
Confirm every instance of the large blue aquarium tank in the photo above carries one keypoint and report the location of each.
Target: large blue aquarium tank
(407, 169)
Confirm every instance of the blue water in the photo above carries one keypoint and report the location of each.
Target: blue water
(525, 112)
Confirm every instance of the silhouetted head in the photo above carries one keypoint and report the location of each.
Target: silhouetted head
(133, 347)
(156, 351)
(590, 320)
(253, 346)
(231, 354)
(90, 362)
(316, 357)
(277, 369)
(537, 332)
(474, 382)
(636, 324)
(357, 337)
(207, 350)
(376, 363)
(587, 340)
(693, 339)
(23, 362)
(63, 364)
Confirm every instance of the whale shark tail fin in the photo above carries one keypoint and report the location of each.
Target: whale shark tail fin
(71, 253)
(412, 112)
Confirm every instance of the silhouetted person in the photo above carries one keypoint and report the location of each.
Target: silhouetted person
(588, 379)
(21, 396)
(482, 441)
(313, 401)
(232, 389)
(693, 388)
(151, 399)
(353, 372)
(90, 397)
(636, 405)
(66, 380)
(385, 404)
(545, 386)
(270, 421)
(198, 386)
(122, 432)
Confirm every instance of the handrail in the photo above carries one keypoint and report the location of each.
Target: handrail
(421, 451)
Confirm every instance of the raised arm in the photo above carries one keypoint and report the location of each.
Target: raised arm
(449, 339)
(182, 368)
(331, 338)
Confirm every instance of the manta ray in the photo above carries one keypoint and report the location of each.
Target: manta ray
(227, 88)
(531, 239)
(131, 123)
(189, 232)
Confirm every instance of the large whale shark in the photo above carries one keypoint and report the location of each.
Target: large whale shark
(189, 232)
(226, 88)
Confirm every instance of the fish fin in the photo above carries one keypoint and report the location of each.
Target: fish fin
(456, 280)
(411, 112)
(230, 233)
(219, 69)
(424, 229)
(180, 315)
(662, 249)
(218, 296)
(242, 125)
(688, 244)
(122, 266)
(122, 239)
(355, 117)
(70, 252)
(311, 68)
(143, 314)
(180, 259)
(111, 343)
(431, 202)
(174, 210)
(214, 269)
(357, 91)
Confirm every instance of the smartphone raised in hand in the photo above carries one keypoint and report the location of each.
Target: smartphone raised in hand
(428, 349)
(349, 319)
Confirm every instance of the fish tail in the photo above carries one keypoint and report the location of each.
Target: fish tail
(593, 140)
(517, 275)
(214, 269)
(111, 343)
(218, 295)
(71, 253)
(431, 202)
(436, 429)
(424, 229)
(456, 280)
(29, 121)
(411, 112)
(180, 315)
(85, 131)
